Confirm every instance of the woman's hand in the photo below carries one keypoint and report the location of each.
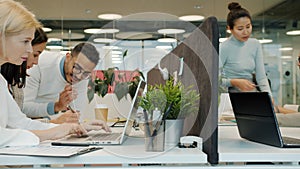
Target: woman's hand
(243, 84)
(60, 131)
(67, 117)
(65, 129)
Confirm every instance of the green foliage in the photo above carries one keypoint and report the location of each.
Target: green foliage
(122, 87)
(185, 100)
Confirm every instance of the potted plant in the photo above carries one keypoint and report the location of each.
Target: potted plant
(184, 102)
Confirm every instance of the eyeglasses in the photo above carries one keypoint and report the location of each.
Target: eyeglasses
(77, 69)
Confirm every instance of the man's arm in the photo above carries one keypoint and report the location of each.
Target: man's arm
(31, 107)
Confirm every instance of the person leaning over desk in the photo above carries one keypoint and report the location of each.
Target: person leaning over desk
(59, 80)
(17, 27)
(15, 75)
(241, 56)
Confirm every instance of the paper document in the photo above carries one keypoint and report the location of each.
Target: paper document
(47, 151)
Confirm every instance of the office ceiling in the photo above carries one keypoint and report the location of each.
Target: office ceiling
(72, 16)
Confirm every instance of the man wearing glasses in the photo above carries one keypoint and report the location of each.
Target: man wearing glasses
(59, 81)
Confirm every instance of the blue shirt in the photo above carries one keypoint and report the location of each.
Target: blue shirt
(239, 60)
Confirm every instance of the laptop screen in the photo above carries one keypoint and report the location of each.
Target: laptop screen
(255, 117)
(134, 107)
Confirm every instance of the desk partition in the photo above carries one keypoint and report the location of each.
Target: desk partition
(200, 54)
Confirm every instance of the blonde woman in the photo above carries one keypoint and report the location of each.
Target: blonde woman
(17, 27)
(15, 76)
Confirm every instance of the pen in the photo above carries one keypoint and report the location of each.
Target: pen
(160, 121)
(72, 110)
(70, 144)
(148, 133)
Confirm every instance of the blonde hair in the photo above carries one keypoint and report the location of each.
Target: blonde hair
(14, 18)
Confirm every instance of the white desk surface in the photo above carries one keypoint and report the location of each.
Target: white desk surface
(131, 152)
(233, 148)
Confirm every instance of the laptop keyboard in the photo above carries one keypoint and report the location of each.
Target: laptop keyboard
(290, 140)
(106, 136)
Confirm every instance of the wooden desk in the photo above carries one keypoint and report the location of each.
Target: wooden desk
(131, 152)
(233, 148)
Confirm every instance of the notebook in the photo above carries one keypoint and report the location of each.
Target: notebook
(47, 151)
(256, 120)
(118, 135)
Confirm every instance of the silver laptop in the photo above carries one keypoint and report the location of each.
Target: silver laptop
(256, 120)
(118, 134)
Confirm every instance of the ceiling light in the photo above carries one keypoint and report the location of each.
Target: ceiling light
(167, 40)
(293, 32)
(115, 58)
(54, 47)
(198, 7)
(45, 29)
(286, 57)
(134, 35)
(99, 31)
(170, 31)
(109, 16)
(87, 11)
(111, 47)
(54, 39)
(265, 40)
(286, 49)
(191, 17)
(164, 47)
(91, 30)
(116, 52)
(104, 40)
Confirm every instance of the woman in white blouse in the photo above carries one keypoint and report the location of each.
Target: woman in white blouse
(17, 27)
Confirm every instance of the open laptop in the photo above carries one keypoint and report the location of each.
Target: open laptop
(256, 119)
(102, 138)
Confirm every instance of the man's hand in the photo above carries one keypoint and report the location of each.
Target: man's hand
(65, 98)
(96, 125)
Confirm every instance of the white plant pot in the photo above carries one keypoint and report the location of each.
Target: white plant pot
(173, 132)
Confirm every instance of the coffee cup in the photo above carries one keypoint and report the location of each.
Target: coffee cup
(101, 112)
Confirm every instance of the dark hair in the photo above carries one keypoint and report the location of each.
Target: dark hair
(236, 12)
(16, 74)
(39, 37)
(88, 50)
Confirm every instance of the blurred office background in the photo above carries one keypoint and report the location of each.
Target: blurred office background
(142, 26)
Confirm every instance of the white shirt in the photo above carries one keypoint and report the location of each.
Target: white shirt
(14, 125)
(44, 84)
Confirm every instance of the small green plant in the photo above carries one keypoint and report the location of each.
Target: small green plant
(185, 100)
